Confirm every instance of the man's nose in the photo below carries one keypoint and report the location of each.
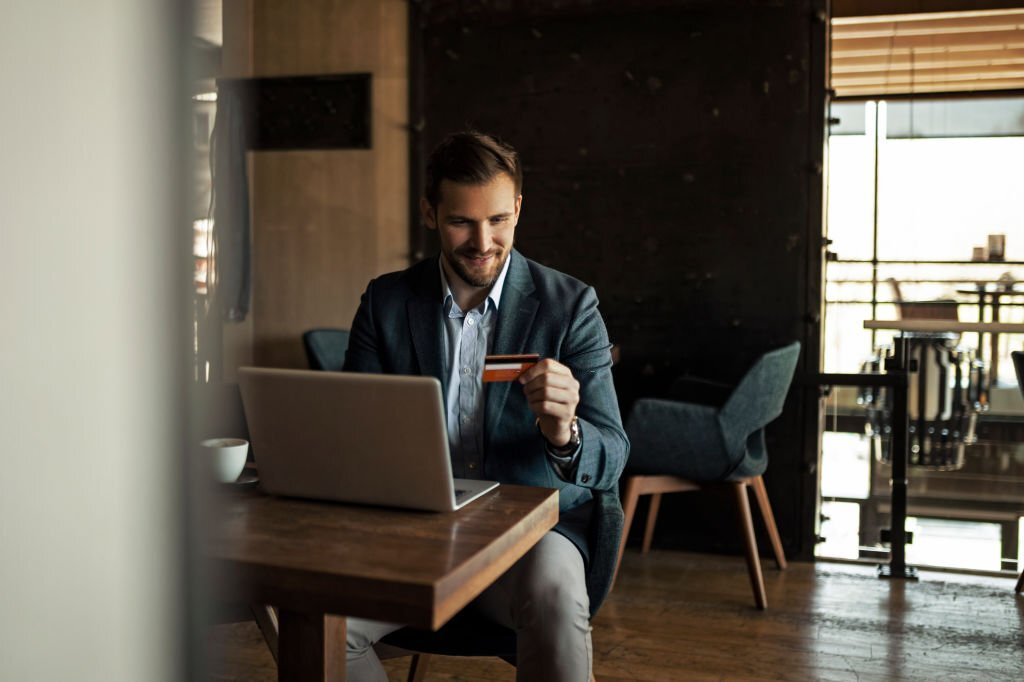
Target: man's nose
(482, 237)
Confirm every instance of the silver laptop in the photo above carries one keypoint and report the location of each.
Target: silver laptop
(364, 438)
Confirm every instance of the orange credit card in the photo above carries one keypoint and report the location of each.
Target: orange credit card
(507, 367)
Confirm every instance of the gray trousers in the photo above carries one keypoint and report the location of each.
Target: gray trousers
(543, 597)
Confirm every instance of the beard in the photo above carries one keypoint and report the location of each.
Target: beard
(477, 277)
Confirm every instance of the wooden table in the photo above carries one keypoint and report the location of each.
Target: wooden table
(990, 295)
(946, 326)
(994, 329)
(318, 562)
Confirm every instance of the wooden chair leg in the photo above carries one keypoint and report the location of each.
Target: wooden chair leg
(761, 493)
(418, 667)
(630, 494)
(746, 522)
(266, 620)
(652, 517)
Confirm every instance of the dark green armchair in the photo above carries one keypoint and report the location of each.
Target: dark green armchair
(712, 435)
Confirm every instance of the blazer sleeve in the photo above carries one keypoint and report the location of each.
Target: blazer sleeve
(362, 354)
(587, 352)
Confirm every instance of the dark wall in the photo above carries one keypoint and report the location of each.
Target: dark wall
(672, 159)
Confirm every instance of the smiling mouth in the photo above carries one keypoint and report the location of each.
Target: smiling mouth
(479, 260)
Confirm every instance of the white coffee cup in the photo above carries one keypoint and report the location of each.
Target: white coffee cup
(226, 457)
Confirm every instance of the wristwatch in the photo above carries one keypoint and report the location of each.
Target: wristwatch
(574, 439)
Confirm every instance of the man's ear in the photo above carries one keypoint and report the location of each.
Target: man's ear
(519, 206)
(428, 214)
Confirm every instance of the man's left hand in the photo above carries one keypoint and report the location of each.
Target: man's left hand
(553, 394)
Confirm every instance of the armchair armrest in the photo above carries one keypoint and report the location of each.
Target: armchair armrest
(606, 522)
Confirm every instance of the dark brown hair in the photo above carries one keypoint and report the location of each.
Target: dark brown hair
(470, 158)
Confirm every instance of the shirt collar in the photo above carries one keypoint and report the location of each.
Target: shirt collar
(494, 296)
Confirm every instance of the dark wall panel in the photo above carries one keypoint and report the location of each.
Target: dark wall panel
(305, 112)
(672, 161)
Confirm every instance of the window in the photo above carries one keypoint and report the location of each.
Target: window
(916, 187)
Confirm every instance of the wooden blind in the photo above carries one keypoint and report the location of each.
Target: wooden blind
(928, 53)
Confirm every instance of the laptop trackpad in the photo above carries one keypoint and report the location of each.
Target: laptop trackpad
(467, 490)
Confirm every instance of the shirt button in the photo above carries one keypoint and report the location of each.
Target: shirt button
(472, 466)
(585, 478)
(465, 370)
(469, 321)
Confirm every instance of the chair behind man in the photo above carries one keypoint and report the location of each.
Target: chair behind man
(325, 348)
(715, 436)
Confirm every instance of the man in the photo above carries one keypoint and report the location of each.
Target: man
(559, 427)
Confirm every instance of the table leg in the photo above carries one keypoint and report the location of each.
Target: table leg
(993, 375)
(311, 646)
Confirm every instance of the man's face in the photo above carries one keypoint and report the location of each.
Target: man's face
(476, 224)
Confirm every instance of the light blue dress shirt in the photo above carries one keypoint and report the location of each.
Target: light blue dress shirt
(468, 339)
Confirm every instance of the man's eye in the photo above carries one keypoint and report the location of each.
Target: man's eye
(500, 219)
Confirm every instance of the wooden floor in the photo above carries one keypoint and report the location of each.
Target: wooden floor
(677, 616)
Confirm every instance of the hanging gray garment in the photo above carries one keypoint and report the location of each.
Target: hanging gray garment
(231, 230)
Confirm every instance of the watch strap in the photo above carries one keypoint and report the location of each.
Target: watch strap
(570, 447)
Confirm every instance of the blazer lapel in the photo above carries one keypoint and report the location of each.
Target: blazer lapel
(424, 311)
(516, 312)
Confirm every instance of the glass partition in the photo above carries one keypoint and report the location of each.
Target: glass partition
(926, 220)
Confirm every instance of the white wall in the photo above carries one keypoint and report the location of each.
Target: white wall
(91, 349)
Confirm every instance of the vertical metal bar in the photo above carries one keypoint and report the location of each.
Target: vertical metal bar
(819, 95)
(897, 567)
(874, 232)
(921, 423)
(900, 452)
(993, 339)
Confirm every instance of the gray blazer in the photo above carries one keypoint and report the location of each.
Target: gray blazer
(398, 330)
